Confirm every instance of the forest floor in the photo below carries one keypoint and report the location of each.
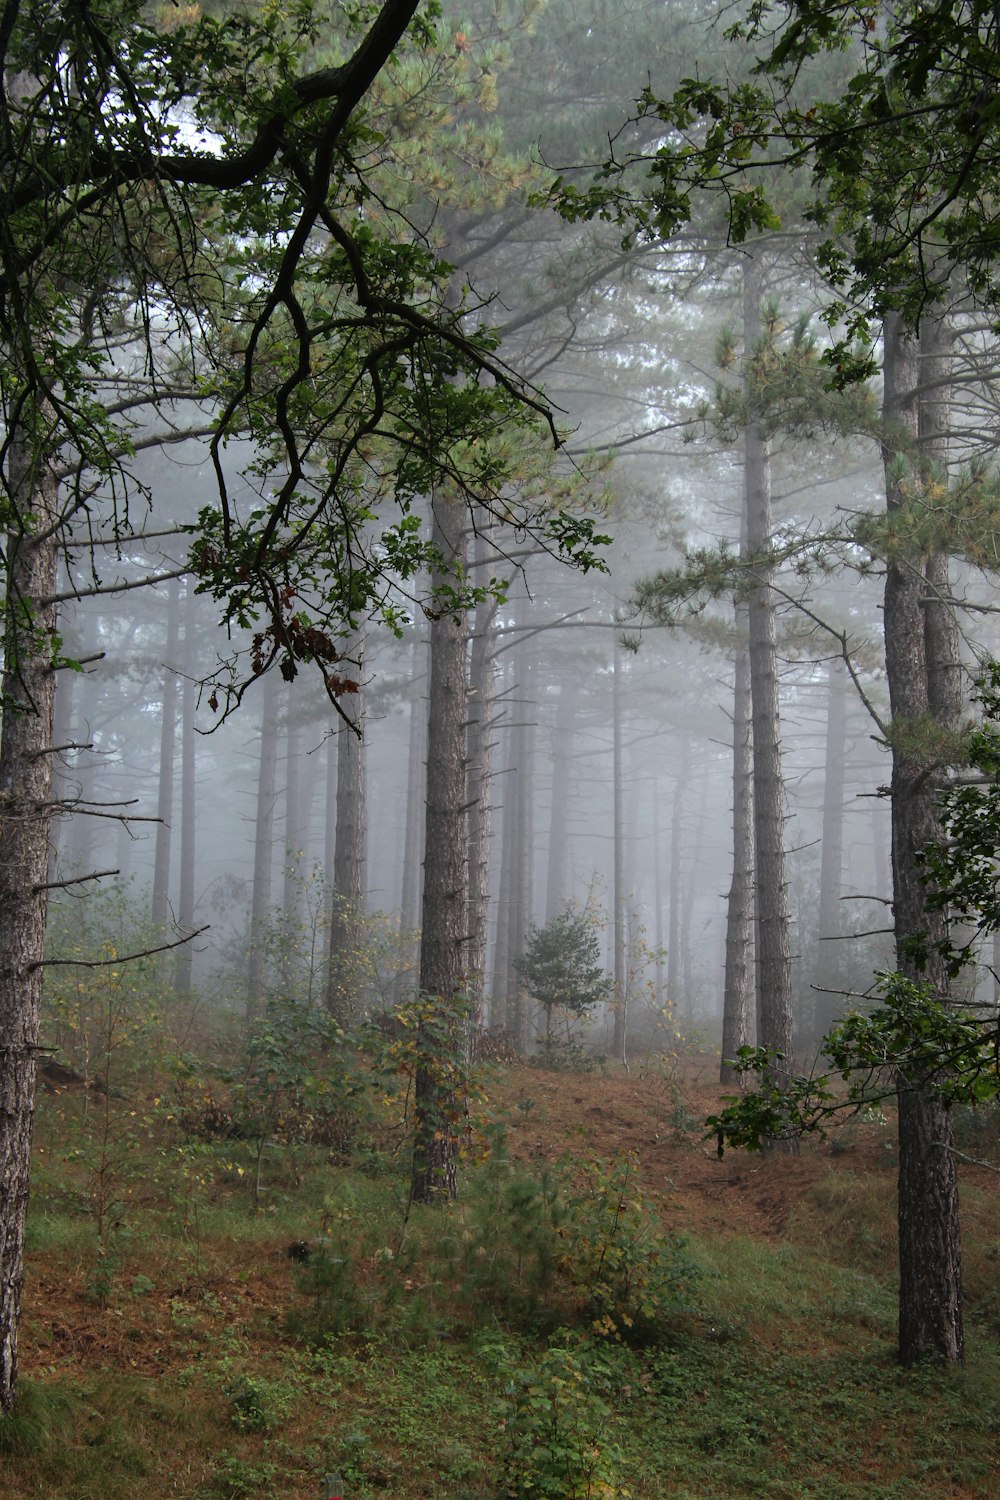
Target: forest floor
(176, 1343)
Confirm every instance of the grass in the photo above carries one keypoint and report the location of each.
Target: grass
(160, 1358)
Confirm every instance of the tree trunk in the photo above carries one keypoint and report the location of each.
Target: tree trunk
(738, 991)
(350, 879)
(185, 904)
(774, 965)
(829, 956)
(263, 849)
(168, 739)
(482, 671)
(619, 1027)
(523, 853)
(441, 1039)
(409, 898)
(503, 979)
(25, 795)
(557, 879)
(930, 1310)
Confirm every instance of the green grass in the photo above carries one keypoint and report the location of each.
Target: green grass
(180, 1374)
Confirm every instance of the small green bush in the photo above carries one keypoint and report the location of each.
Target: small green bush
(555, 1424)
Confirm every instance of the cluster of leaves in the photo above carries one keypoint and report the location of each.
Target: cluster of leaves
(215, 218)
(898, 131)
(556, 1445)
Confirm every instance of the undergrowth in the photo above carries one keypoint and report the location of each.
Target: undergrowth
(547, 1337)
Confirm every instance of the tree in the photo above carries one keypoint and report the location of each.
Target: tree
(186, 244)
(561, 967)
(905, 161)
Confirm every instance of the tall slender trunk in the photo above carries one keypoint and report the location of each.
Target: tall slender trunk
(773, 952)
(482, 672)
(62, 726)
(189, 825)
(678, 893)
(25, 795)
(557, 877)
(168, 740)
(737, 1011)
(263, 847)
(350, 878)
(503, 979)
(618, 895)
(930, 1281)
(829, 955)
(523, 852)
(416, 773)
(293, 864)
(442, 1032)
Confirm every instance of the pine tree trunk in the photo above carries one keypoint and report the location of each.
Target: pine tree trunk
(409, 900)
(501, 974)
(618, 895)
(25, 795)
(829, 958)
(168, 740)
(442, 1034)
(773, 952)
(930, 1310)
(523, 868)
(482, 671)
(350, 878)
(263, 848)
(737, 1011)
(557, 874)
(186, 896)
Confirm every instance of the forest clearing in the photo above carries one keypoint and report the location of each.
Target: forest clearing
(185, 1352)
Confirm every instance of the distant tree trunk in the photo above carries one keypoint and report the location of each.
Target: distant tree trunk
(678, 891)
(479, 791)
(185, 904)
(293, 864)
(350, 863)
(739, 980)
(773, 952)
(62, 730)
(442, 1034)
(829, 956)
(25, 796)
(523, 852)
(415, 819)
(930, 1285)
(618, 896)
(503, 978)
(263, 856)
(557, 880)
(168, 739)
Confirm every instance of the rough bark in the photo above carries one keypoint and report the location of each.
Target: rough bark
(189, 825)
(168, 740)
(482, 673)
(441, 1037)
(829, 964)
(738, 991)
(502, 979)
(773, 953)
(930, 1311)
(263, 850)
(620, 916)
(409, 899)
(350, 862)
(25, 794)
(557, 873)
